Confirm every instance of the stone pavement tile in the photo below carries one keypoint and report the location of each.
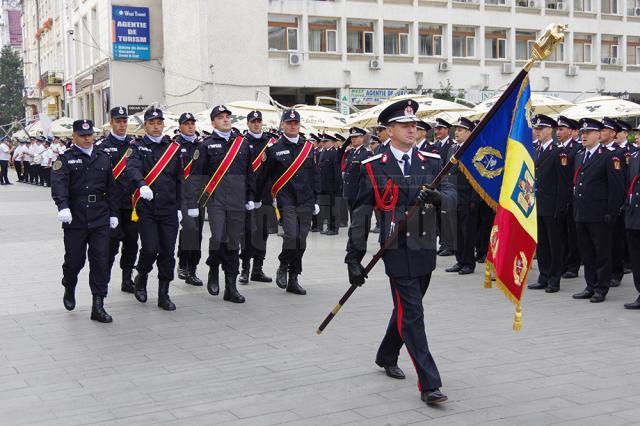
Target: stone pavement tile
(530, 419)
(340, 418)
(608, 420)
(397, 418)
(224, 403)
(205, 419)
(266, 420)
(319, 408)
(143, 419)
(592, 409)
(389, 407)
(630, 415)
(78, 419)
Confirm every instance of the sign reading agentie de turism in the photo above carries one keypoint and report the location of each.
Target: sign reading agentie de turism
(130, 31)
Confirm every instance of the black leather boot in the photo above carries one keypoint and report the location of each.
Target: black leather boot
(192, 278)
(164, 301)
(140, 287)
(230, 291)
(281, 276)
(213, 281)
(257, 274)
(183, 269)
(69, 298)
(244, 273)
(127, 282)
(293, 286)
(97, 310)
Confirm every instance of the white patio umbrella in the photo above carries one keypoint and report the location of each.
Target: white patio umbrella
(428, 107)
(541, 103)
(321, 118)
(603, 106)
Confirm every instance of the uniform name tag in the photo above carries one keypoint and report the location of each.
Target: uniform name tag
(78, 161)
(279, 153)
(215, 145)
(142, 148)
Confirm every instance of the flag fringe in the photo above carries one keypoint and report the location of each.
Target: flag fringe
(517, 321)
(487, 199)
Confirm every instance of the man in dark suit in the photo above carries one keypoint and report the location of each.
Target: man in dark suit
(409, 262)
(632, 223)
(552, 192)
(597, 196)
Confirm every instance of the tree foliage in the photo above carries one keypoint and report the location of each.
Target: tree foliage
(11, 85)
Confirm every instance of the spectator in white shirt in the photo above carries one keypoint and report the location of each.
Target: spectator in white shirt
(5, 155)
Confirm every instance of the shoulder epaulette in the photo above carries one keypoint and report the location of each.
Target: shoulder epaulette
(375, 157)
(430, 154)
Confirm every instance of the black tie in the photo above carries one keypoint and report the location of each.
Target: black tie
(587, 157)
(406, 165)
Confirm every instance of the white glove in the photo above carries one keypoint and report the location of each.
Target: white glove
(249, 206)
(179, 216)
(193, 212)
(257, 205)
(146, 193)
(275, 203)
(316, 209)
(64, 216)
(113, 222)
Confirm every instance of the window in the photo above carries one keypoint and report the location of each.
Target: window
(557, 54)
(323, 35)
(360, 37)
(464, 42)
(396, 39)
(609, 7)
(633, 50)
(582, 48)
(524, 44)
(582, 5)
(283, 33)
(609, 49)
(430, 40)
(495, 44)
(496, 2)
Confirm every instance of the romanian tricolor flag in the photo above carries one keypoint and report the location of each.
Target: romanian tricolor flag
(498, 161)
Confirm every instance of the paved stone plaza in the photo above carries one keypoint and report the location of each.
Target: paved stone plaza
(211, 362)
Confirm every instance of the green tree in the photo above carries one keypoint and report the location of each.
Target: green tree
(11, 85)
(447, 92)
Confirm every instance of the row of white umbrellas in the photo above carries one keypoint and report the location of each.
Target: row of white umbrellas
(315, 118)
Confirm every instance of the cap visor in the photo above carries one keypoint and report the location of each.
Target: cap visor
(410, 119)
(84, 132)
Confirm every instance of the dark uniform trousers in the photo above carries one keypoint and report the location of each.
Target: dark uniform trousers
(467, 233)
(127, 233)
(572, 252)
(485, 222)
(550, 250)
(158, 242)
(76, 242)
(256, 233)
(594, 240)
(190, 239)
(296, 222)
(227, 230)
(19, 167)
(618, 248)
(633, 240)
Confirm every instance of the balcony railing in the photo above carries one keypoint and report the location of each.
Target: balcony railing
(52, 78)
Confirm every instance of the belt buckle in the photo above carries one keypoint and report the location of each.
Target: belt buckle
(92, 198)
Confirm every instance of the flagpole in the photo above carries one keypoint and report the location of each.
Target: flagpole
(542, 48)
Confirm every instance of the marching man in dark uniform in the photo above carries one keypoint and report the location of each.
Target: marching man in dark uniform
(117, 145)
(293, 179)
(330, 184)
(442, 140)
(222, 180)
(422, 143)
(552, 192)
(190, 237)
(597, 196)
(632, 223)
(85, 192)
(352, 165)
(256, 230)
(392, 182)
(571, 260)
(156, 171)
(467, 204)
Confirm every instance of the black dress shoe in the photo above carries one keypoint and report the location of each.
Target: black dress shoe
(584, 294)
(569, 275)
(433, 396)
(440, 250)
(537, 286)
(281, 276)
(455, 268)
(614, 283)
(257, 274)
(332, 232)
(231, 293)
(392, 371)
(597, 298)
(127, 282)
(466, 270)
(164, 302)
(244, 274)
(445, 253)
(193, 279)
(182, 273)
(552, 289)
(69, 298)
(633, 305)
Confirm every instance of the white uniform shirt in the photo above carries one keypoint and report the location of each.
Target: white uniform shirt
(47, 158)
(4, 152)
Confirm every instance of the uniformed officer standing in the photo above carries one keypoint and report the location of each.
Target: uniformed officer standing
(117, 145)
(190, 236)
(256, 231)
(156, 171)
(222, 180)
(608, 140)
(422, 144)
(597, 198)
(467, 204)
(442, 140)
(632, 223)
(352, 166)
(87, 198)
(552, 192)
(628, 150)
(330, 184)
(290, 165)
(446, 215)
(18, 160)
(401, 172)
(383, 135)
(571, 260)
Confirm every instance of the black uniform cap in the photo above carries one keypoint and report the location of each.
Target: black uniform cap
(357, 131)
(186, 116)
(465, 123)
(610, 123)
(119, 112)
(290, 115)
(153, 113)
(423, 125)
(542, 120)
(83, 127)
(624, 126)
(217, 110)
(399, 112)
(568, 123)
(587, 124)
(254, 115)
(442, 123)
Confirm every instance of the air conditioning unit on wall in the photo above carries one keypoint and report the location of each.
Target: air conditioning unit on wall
(572, 71)
(444, 67)
(295, 59)
(375, 64)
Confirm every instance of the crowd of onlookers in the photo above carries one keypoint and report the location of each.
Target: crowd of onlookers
(32, 158)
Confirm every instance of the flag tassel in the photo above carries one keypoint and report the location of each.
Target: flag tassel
(517, 321)
(487, 275)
